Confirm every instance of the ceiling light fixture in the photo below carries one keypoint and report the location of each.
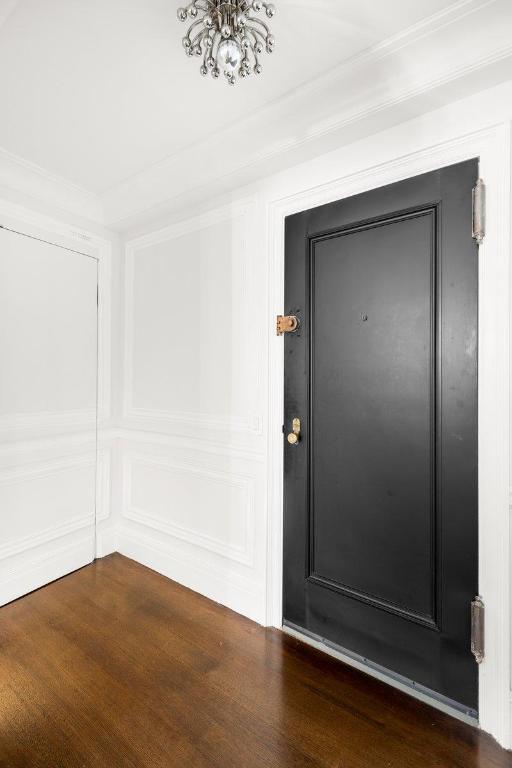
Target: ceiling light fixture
(228, 37)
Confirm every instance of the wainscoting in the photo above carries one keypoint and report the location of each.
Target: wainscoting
(194, 492)
(192, 446)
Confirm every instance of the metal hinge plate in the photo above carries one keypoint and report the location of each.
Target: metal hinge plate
(286, 324)
(478, 629)
(479, 211)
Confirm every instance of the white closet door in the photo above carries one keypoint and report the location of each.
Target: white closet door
(48, 382)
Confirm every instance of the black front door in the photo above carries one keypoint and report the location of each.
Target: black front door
(380, 502)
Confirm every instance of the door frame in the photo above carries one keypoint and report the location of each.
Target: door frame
(492, 147)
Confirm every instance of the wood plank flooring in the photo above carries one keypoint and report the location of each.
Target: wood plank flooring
(116, 666)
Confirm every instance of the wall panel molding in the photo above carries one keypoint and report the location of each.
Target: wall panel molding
(150, 417)
(39, 471)
(39, 225)
(49, 421)
(33, 471)
(155, 419)
(243, 554)
(140, 437)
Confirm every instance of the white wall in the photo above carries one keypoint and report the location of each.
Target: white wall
(193, 448)
(199, 299)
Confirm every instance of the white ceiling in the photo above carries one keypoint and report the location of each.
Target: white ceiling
(96, 91)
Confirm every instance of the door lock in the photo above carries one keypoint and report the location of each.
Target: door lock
(286, 324)
(294, 437)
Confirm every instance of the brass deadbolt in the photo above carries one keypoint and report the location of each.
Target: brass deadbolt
(294, 437)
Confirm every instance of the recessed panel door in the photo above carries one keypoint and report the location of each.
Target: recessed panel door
(381, 516)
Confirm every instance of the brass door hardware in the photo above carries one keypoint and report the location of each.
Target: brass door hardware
(286, 324)
(294, 437)
(477, 629)
(479, 212)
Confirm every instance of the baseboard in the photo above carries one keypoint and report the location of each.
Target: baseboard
(106, 542)
(225, 588)
(51, 566)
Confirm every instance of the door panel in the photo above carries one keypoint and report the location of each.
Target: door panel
(380, 512)
(48, 375)
(371, 339)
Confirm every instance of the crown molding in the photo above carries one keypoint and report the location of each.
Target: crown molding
(391, 44)
(39, 184)
(451, 54)
(441, 55)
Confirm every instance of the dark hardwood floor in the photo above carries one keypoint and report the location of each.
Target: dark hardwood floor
(116, 666)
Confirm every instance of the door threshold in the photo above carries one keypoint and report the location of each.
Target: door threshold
(417, 691)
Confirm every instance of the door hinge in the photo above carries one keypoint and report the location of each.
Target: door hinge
(478, 629)
(479, 211)
(286, 324)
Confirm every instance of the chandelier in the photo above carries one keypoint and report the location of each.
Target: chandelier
(228, 37)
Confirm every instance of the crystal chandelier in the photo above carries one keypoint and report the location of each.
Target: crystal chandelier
(228, 37)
